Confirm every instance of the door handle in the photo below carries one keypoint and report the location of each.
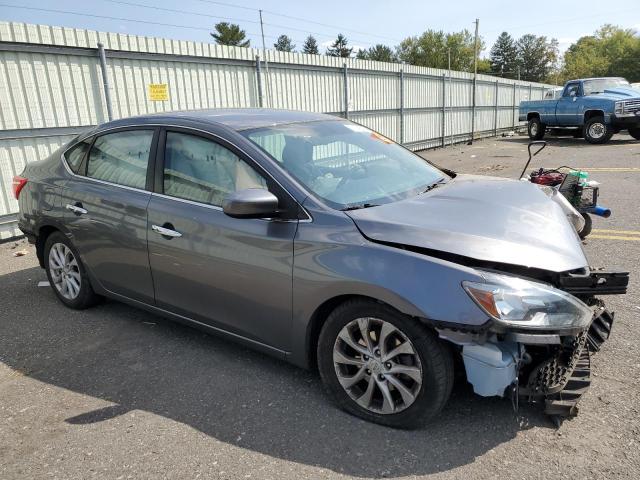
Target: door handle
(166, 232)
(77, 209)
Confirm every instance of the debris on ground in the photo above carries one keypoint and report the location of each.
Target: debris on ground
(20, 253)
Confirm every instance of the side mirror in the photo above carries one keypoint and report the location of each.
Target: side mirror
(251, 203)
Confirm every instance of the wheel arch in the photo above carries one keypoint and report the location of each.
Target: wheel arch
(532, 115)
(592, 113)
(319, 317)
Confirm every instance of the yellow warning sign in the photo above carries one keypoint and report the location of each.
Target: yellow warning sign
(158, 92)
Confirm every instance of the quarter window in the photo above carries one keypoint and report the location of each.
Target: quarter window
(75, 155)
(121, 158)
(203, 171)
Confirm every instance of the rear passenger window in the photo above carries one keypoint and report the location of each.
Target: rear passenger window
(203, 171)
(121, 158)
(75, 155)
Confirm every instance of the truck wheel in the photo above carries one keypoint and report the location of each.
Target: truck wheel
(635, 132)
(536, 129)
(596, 131)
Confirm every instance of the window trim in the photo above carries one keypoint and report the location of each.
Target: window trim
(272, 184)
(303, 215)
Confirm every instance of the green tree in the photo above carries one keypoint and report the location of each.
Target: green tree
(284, 44)
(432, 49)
(611, 51)
(504, 56)
(339, 47)
(379, 53)
(536, 57)
(310, 46)
(230, 34)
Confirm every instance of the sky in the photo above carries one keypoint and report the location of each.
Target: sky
(364, 22)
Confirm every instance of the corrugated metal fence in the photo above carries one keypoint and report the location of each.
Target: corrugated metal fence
(51, 88)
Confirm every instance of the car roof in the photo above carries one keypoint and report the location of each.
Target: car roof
(235, 118)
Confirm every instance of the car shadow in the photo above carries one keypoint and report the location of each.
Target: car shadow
(138, 361)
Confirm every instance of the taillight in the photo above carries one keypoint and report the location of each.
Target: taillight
(18, 184)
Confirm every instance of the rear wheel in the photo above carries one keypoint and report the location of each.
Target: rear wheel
(596, 131)
(384, 366)
(635, 132)
(66, 273)
(536, 129)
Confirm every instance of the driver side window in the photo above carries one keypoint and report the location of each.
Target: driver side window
(573, 90)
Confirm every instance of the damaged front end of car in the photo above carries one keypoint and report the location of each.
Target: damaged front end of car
(542, 332)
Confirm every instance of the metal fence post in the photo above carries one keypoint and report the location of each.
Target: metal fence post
(259, 79)
(473, 109)
(105, 80)
(444, 107)
(513, 109)
(495, 120)
(345, 74)
(401, 106)
(530, 91)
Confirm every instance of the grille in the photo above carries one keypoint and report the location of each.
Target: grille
(631, 106)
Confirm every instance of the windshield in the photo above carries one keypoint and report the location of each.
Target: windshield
(347, 165)
(599, 85)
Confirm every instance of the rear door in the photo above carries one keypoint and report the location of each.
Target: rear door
(233, 274)
(106, 210)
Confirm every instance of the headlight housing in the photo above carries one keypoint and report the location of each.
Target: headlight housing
(521, 303)
(619, 108)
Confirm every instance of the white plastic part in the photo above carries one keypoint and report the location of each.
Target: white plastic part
(491, 367)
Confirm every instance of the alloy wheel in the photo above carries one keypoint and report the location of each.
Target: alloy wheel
(377, 365)
(65, 271)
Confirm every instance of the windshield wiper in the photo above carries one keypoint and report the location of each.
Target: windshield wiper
(433, 185)
(358, 206)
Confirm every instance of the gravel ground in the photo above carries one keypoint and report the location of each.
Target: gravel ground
(114, 392)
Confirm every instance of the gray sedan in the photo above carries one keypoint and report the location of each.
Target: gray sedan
(324, 243)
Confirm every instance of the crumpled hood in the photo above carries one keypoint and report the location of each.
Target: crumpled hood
(484, 218)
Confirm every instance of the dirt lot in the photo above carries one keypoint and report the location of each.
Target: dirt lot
(114, 392)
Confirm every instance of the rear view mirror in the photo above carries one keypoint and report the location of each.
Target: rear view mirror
(251, 203)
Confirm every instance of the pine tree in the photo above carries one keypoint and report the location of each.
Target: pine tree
(536, 57)
(230, 34)
(378, 53)
(339, 47)
(310, 46)
(504, 56)
(284, 44)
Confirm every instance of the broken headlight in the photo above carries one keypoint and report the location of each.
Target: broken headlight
(517, 302)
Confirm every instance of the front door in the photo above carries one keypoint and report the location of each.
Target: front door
(233, 274)
(568, 109)
(106, 211)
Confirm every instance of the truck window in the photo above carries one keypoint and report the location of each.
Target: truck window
(572, 90)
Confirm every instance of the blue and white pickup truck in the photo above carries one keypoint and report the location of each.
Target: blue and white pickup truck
(595, 108)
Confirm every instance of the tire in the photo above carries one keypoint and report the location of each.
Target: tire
(64, 268)
(429, 364)
(597, 132)
(586, 230)
(635, 132)
(536, 129)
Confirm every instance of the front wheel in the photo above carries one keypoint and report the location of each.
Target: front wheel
(596, 131)
(536, 129)
(383, 366)
(635, 132)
